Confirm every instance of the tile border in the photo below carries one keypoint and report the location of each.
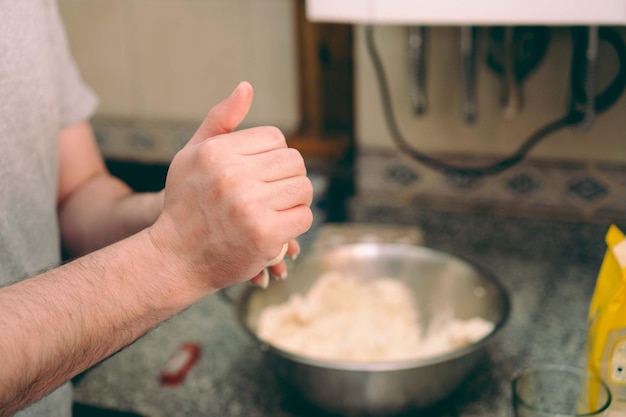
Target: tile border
(144, 140)
(536, 187)
(572, 189)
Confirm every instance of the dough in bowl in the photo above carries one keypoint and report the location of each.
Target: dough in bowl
(346, 318)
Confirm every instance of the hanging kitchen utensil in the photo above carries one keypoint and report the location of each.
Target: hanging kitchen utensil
(603, 101)
(511, 91)
(468, 73)
(513, 54)
(416, 37)
(584, 69)
(578, 83)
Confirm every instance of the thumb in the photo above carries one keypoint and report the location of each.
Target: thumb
(227, 115)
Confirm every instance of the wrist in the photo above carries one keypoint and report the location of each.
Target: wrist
(177, 279)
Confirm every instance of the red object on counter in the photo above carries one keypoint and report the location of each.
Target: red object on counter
(179, 364)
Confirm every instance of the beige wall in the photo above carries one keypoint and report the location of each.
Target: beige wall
(443, 130)
(173, 59)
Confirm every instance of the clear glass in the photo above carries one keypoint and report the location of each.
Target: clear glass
(563, 391)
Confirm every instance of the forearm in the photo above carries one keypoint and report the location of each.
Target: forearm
(59, 323)
(105, 210)
(231, 201)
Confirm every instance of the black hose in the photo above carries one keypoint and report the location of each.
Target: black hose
(614, 90)
(602, 102)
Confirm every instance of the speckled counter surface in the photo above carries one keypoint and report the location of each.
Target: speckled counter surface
(549, 269)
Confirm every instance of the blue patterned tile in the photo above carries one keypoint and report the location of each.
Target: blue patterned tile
(588, 189)
(535, 187)
(523, 184)
(141, 141)
(463, 181)
(401, 174)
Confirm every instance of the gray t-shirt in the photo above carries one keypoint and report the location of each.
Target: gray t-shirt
(41, 92)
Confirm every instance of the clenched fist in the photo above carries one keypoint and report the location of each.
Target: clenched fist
(232, 200)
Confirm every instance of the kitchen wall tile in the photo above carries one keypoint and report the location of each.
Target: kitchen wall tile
(99, 40)
(191, 54)
(270, 61)
(570, 174)
(142, 140)
(545, 94)
(536, 187)
(165, 63)
(187, 54)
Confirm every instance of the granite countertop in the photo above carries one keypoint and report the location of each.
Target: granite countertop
(549, 269)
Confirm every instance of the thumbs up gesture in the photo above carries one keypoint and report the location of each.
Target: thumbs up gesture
(232, 199)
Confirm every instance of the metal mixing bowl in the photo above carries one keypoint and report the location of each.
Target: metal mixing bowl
(439, 281)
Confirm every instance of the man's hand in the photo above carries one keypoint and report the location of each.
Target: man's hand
(232, 199)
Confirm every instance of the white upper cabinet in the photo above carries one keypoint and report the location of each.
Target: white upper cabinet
(474, 12)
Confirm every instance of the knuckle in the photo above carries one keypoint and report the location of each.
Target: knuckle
(304, 189)
(296, 157)
(274, 132)
(295, 154)
(246, 216)
(209, 153)
(242, 207)
(301, 187)
(225, 181)
(307, 185)
(276, 135)
(303, 221)
(259, 237)
(274, 158)
(307, 221)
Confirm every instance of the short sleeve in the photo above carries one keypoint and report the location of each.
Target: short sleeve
(76, 101)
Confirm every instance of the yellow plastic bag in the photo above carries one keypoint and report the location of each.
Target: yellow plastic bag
(606, 344)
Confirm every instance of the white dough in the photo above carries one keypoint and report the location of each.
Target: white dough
(280, 256)
(346, 318)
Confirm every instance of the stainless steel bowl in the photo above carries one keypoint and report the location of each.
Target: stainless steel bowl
(439, 282)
